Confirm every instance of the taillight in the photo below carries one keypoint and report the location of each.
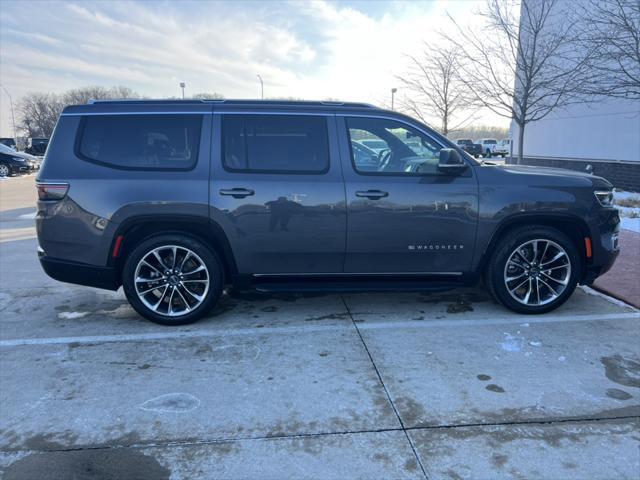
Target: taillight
(51, 191)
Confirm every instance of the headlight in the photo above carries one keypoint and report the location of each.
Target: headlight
(605, 197)
(17, 159)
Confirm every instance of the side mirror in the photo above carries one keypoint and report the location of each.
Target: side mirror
(451, 162)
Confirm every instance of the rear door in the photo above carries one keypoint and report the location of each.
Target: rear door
(277, 191)
(404, 215)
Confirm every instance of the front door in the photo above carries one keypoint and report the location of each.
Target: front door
(277, 192)
(403, 214)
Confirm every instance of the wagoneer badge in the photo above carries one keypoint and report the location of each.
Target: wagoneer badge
(436, 246)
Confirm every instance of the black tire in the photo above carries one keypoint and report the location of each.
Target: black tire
(5, 170)
(214, 272)
(495, 271)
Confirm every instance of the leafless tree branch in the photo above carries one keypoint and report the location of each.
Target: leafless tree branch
(38, 112)
(435, 90)
(611, 29)
(530, 64)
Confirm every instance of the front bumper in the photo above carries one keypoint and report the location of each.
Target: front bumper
(17, 169)
(605, 240)
(79, 273)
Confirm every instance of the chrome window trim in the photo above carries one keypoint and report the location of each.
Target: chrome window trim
(404, 122)
(132, 113)
(395, 119)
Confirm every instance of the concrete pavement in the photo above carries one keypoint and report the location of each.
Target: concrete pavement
(446, 385)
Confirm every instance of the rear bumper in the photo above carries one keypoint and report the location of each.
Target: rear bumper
(80, 273)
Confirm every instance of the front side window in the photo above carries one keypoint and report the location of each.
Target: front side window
(275, 143)
(141, 141)
(405, 151)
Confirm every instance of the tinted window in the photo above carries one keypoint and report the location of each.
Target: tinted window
(407, 150)
(275, 143)
(141, 141)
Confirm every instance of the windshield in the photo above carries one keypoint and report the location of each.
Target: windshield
(490, 142)
(5, 149)
(375, 144)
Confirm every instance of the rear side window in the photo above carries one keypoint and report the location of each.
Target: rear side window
(275, 143)
(141, 142)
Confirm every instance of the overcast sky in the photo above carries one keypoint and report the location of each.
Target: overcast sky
(349, 50)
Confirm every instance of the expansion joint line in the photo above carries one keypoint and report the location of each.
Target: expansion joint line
(395, 410)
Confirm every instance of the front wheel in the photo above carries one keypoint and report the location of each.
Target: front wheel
(5, 171)
(533, 270)
(172, 279)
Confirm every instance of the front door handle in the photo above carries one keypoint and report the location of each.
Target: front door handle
(372, 194)
(237, 192)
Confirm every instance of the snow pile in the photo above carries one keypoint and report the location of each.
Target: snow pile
(628, 204)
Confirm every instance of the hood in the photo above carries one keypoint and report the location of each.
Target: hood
(556, 173)
(26, 156)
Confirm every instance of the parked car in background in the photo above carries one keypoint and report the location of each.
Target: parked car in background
(468, 146)
(9, 142)
(364, 157)
(15, 163)
(375, 145)
(488, 146)
(37, 146)
(270, 195)
(503, 147)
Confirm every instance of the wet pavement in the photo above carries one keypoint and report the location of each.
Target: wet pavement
(447, 385)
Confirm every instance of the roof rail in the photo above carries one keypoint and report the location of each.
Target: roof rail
(234, 102)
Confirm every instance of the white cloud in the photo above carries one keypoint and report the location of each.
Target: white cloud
(309, 49)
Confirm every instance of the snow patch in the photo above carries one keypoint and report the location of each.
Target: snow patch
(511, 343)
(629, 216)
(72, 315)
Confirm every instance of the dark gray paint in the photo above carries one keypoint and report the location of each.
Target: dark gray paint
(330, 230)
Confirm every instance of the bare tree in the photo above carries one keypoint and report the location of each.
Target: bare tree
(523, 67)
(612, 32)
(81, 96)
(39, 112)
(436, 91)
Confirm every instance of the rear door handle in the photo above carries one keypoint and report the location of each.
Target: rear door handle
(372, 194)
(237, 192)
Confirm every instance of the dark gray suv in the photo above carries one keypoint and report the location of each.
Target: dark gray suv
(174, 200)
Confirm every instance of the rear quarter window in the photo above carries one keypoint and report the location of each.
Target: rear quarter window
(140, 142)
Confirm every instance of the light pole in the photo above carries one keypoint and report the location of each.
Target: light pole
(261, 86)
(13, 118)
(393, 92)
(182, 85)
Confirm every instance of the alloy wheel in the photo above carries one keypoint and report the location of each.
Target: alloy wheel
(537, 272)
(171, 280)
(4, 171)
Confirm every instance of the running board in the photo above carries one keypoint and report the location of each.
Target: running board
(358, 283)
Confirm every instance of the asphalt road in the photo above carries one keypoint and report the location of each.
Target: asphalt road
(445, 385)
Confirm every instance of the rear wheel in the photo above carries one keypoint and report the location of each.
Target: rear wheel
(5, 171)
(172, 279)
(533, 270)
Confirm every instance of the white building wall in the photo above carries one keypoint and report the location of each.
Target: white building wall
(607, 130)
